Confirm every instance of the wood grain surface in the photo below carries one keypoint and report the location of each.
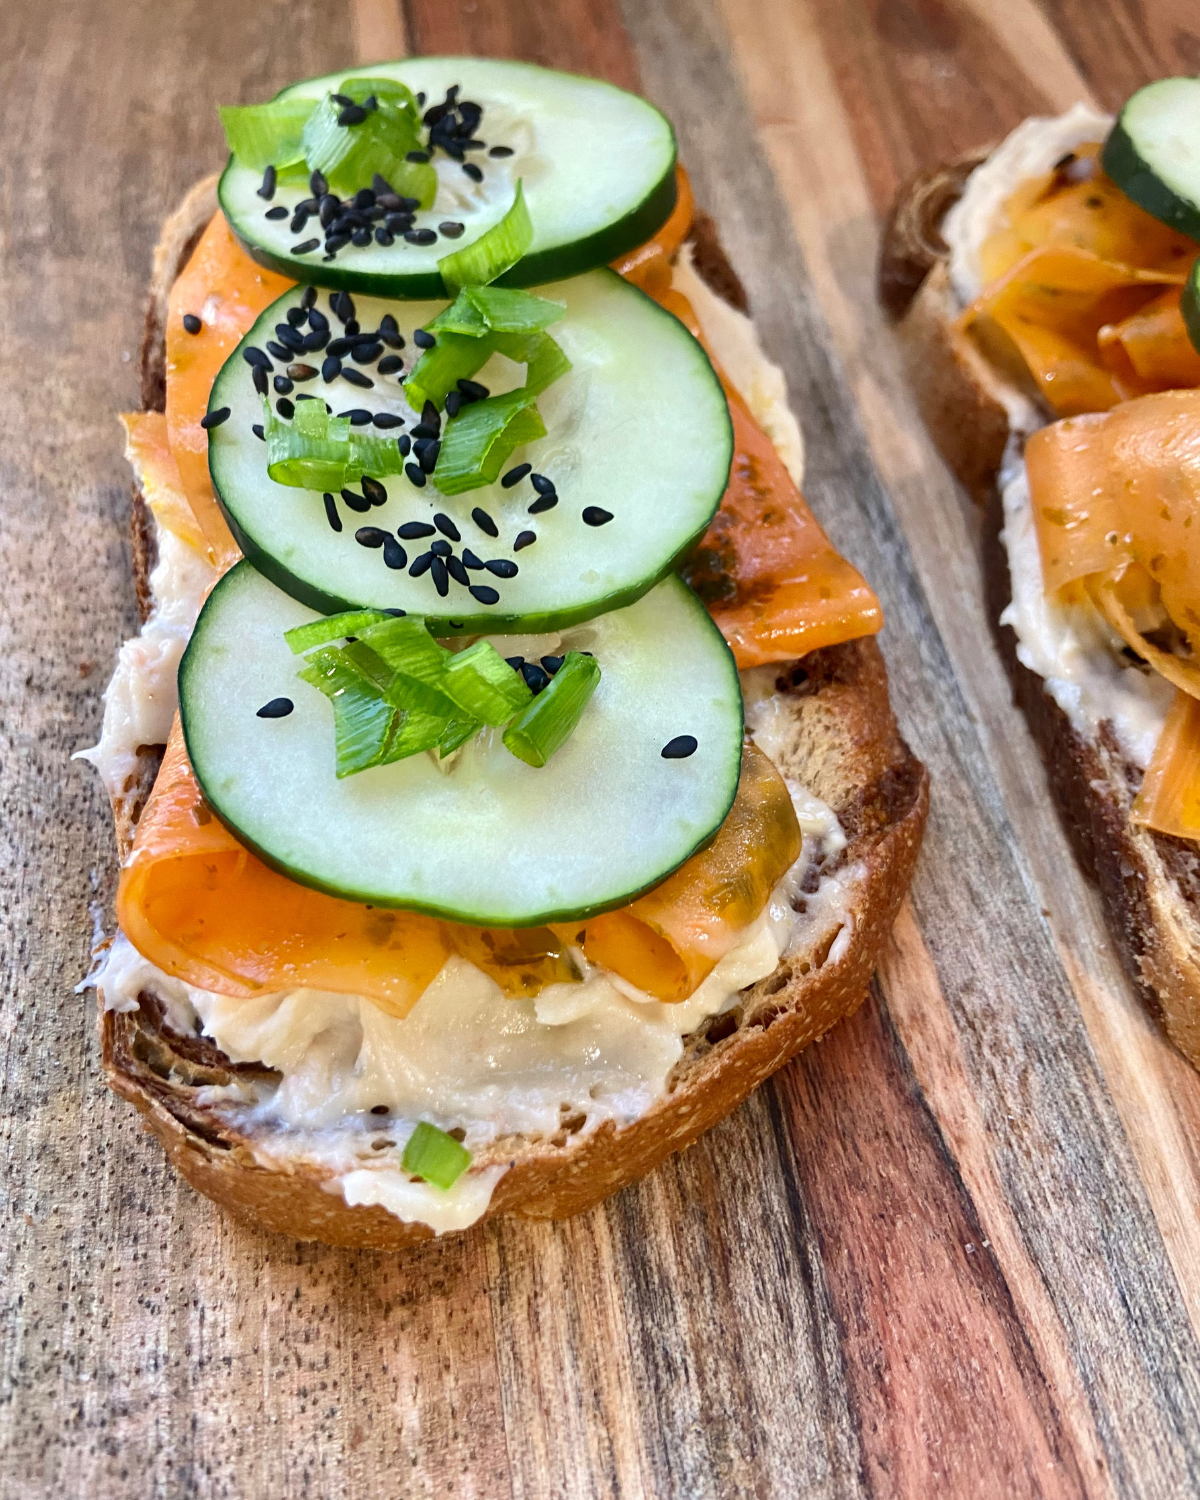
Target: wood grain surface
(953, 1250)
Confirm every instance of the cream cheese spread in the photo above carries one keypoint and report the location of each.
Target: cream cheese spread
(467, 1057)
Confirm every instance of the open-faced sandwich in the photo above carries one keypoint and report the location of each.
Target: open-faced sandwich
(504, 776)
(1047, 295)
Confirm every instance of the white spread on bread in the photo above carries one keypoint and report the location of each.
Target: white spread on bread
(1032, 149)
(1068, 645)
(467, 1057)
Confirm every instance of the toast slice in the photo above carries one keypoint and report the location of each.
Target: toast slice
(842, 743)
(1149, 882)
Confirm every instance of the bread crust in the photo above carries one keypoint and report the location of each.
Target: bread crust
(843, 744)
(1149, 883)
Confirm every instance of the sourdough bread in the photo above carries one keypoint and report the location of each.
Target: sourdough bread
(835, 733)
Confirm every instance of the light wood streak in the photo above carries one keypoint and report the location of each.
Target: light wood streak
(378, 30)
(797, 105)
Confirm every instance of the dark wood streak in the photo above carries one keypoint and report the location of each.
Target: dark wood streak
(1121, 46)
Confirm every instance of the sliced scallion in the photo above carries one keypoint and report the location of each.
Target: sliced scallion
(497, 250)
(482, 438)
(350, 155)
(318, 452)
(482, 683)
(550, 719)
(266, 135)
(484, 309)
(543, 359)
(453, 358)
(435, 1156)
(332, 628)
(364, 721)
(457, 733)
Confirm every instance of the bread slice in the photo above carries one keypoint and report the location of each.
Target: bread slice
(1149, 882)
(842, 744)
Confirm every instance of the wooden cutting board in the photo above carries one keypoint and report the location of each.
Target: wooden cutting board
(952, 1250)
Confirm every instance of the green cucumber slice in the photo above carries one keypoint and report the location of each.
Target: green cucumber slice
(493, 842)
(598, 166)
(638, 427)
(1153, 152)
(1189, 305)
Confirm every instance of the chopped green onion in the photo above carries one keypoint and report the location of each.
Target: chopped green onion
(480, 681)
(458, 732)
(497, 250)
(419, 663)
(550, 719)
(418, 730)
(266, 135)
(318, 452)
(332, 628)
(364, 722)
(349, 155)
(543, 359)
(480, 441)
(483, 309)
(453, 358)
(435, 1156)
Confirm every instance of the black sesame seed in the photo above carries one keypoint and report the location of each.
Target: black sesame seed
(423, 432)
(543, 503)
(398, 223)
(342, 99)
(296, 316)
(473, 172)
(416, 474)
(420, 236)
(551, 664)
(446, 526)
(301, 372)
(473, 391)
(278, 708)
(361, 237)
(451, 228)
(215, 418)
(417, 156)
(307, 298)
(470, 560)
(515, 662)
(456, 570)
(299, 220)
(453, 401)
(501, 151)
(316, 318)
(254, 356)
(594, 516)
(431, 418)
(404, 443)
(524, 539)
(191, 323)
(389, 364)
(304, 247)
(260, 380)
(285, 408)
(370, 536)
(283, 386)
(357, 503)
(356, 377)
(267, 190)
(317, 184)
(364, 198)
(421, 565)
(428, 456)
(440, 548)
(279, 351)
(440, 576)
(258, 432)
(543, 485)
(535, 678)
(502, 567)
(387, 419)
(680, 747)
(484, 593)
(289, 337)
(394, 555)
(351, 327)
(515, 476)
(341, 346)
(359, 416)
(484, 521)
(336, 242)
(412, 531)
(424, 339)
(278, 212)
(373, 490)
(331, 512)
(384, 237)
(365, 352)
(316, 340)
(389, 332)
(342, 304)
(352, 114)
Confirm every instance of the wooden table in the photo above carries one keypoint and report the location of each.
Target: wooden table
(953, 1250)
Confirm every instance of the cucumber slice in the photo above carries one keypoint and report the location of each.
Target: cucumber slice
(598, 166)
(493, 842)
(1189, 305)
(1153, 152)
(638, 428)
